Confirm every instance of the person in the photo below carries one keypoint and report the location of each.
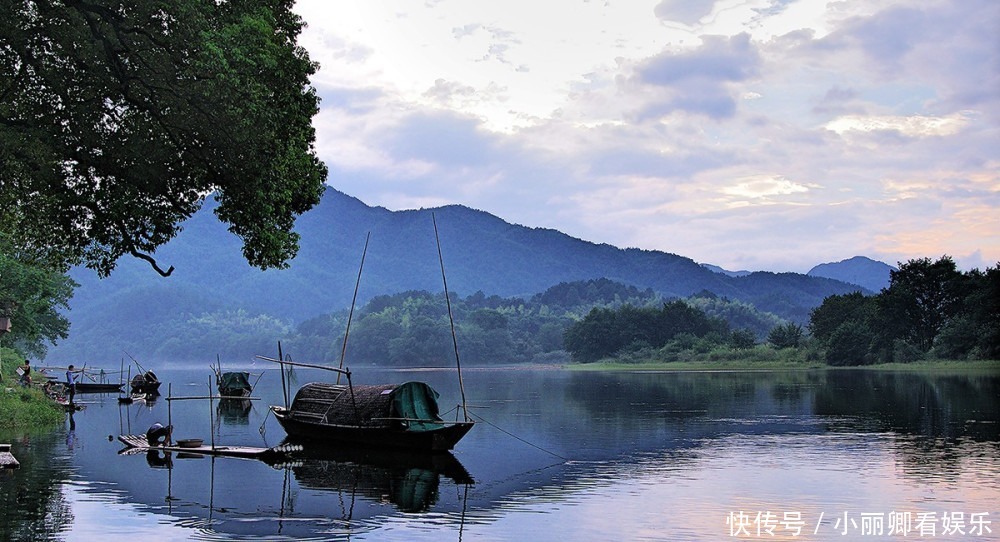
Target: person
(158, 435)
(26, 373)
(70, 384)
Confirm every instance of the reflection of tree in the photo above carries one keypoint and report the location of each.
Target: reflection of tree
(33, 506)
(912, 404)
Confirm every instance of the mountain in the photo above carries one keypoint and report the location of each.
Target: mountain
(717, 269)
(865, 272)
(481, 253)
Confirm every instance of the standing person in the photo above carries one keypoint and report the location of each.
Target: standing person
(70, 384)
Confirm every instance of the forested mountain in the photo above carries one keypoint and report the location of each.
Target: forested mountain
(481, 253)
(866, 272)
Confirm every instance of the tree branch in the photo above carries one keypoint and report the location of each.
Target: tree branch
(153, 263)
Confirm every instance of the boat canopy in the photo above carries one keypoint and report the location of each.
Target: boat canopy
(412, 405)
(235, 381)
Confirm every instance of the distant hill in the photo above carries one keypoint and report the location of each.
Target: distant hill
(481, 253)
(717, 269)
(865, 272)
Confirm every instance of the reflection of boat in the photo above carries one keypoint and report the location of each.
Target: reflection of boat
(234, 411)
(408, 480)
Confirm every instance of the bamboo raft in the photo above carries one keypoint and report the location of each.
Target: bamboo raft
(138, 443)
(7, 459)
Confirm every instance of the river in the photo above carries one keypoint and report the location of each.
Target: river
(556, 455)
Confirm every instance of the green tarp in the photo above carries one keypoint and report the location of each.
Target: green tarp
(416, 401)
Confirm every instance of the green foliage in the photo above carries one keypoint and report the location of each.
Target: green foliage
(605, 332)
(929, 308)
(22, 407)
(849, 344)
(31, 294)
(742, 339)
(119, 118)
(786, 336)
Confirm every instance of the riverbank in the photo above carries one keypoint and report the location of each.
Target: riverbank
(22, 407)
(937, 366)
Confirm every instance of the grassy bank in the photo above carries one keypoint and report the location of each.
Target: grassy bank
(766, 358)
(22, 407)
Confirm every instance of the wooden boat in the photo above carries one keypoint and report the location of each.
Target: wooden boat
(398, 416)
(139, 444)
(233, 384)
(97, 387)
(145, 383)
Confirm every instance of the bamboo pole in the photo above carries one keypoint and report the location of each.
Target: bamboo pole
(454, 338)
(350, 315)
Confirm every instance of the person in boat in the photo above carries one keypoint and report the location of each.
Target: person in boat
(158, 435)
(70, 384)
(26, 373)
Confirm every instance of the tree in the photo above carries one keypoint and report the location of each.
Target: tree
(742, 339)
(933, 293)
(30, 295)
(835, 310)
(119, 118)
(786, 336)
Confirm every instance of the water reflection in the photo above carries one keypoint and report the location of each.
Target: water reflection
(408, 480)
(698, 445)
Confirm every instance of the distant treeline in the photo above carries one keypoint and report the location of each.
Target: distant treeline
(930, 309)
(412, 328)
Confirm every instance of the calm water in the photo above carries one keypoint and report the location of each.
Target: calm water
(558, 455)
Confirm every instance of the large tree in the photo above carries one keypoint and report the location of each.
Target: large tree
(31, 294)
(118, 118)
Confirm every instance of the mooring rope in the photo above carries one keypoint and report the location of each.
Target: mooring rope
(508, 433)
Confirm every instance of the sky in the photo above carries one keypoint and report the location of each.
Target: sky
(749, 134)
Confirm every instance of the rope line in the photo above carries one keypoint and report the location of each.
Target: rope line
(508, 433)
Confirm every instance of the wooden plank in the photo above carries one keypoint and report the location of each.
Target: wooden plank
(139, 442)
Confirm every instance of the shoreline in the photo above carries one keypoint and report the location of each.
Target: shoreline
(963, 366)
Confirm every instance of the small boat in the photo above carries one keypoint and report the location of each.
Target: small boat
(395, 416)
(145, 383)
(233, 384)
(97, 387)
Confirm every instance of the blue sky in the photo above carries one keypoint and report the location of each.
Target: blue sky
(750, 134)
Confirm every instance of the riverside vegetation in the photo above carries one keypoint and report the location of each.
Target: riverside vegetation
(22, 407)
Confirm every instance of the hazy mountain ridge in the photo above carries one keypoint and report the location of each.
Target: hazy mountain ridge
(871, 274)
(481, 253)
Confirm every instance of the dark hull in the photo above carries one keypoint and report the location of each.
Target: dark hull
(234, 393)
(149, 388)
(93, 387)
(437, 440)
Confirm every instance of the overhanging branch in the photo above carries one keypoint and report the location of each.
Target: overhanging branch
(153, 263)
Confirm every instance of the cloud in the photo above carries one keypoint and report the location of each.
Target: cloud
(699, 80)
(757, 134)
(910, 126)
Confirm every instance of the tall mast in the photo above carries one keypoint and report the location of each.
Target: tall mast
(451, 318)
(350, 316)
